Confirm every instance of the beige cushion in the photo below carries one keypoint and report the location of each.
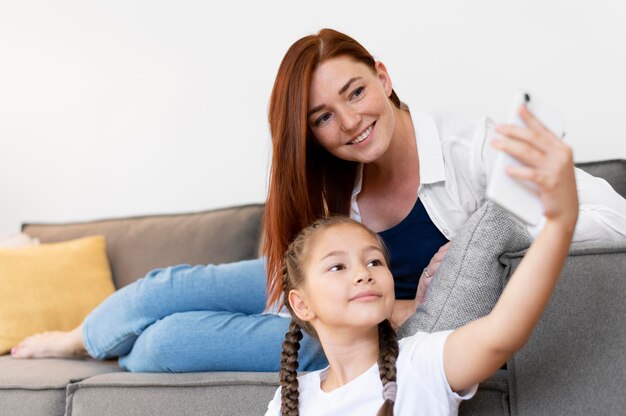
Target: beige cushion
(137, 245)
(50, 287)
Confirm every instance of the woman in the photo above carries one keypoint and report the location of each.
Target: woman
(343, 143)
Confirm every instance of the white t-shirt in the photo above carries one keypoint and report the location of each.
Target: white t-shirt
(422, 385)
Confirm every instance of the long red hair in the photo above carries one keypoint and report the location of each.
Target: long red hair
(306, 182)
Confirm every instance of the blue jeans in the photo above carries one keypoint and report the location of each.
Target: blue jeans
(202, 318)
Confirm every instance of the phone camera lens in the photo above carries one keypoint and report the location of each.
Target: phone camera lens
(526, 98)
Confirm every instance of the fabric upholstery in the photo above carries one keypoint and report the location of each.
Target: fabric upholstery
(51, 287)
(220, 393)
(38, 387)
(158, 394)
(492, 398)
(137, 245)
(470, 279)
(575, 360)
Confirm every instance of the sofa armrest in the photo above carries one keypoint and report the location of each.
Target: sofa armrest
(575, 360)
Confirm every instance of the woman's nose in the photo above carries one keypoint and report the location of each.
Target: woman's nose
(350, 119)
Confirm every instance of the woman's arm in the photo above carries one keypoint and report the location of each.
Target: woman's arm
(476, 350)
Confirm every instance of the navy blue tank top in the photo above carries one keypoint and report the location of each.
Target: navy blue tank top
(411, 245)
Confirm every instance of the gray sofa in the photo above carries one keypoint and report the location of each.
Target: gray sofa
(575, 362)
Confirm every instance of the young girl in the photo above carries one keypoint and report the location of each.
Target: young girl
(339, 288)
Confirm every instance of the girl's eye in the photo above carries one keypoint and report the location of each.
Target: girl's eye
(374, 263)
(336, 268)
(357, 93)
(322, 119)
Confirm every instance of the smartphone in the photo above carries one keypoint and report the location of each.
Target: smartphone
(521, 197)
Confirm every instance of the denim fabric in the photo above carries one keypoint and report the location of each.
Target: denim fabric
(194, 318)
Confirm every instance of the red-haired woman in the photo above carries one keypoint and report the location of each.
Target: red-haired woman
(343, 143)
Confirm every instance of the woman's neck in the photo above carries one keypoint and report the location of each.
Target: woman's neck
(401, 158)
(348, 358)
(389, 185)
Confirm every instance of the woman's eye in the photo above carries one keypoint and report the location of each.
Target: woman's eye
(322, 119)
(357, 93)
(374, 263)
(336, 268)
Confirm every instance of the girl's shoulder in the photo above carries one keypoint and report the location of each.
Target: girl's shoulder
(306, 382)
(423, 344)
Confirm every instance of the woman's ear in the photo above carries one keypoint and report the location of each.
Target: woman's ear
(300, 306)
(383, 76)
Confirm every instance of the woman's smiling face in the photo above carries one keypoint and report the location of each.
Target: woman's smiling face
(350, 113)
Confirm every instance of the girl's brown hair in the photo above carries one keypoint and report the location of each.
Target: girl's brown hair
(305, 181)
(292, 278)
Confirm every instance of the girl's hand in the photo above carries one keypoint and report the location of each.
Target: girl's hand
(431, 269)
(477, 349)
(549, 164)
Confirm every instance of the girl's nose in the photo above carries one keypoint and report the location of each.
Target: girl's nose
(363, 275)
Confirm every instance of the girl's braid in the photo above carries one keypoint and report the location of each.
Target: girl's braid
(388, 345)
(288, 375)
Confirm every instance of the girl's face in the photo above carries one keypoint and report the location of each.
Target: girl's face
(347, 281)
(350, 113)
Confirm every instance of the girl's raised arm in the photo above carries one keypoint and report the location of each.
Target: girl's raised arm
(476, 350)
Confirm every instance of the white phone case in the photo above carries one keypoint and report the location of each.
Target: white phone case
(521, 197)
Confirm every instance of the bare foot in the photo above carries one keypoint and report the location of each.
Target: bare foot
(55, 344)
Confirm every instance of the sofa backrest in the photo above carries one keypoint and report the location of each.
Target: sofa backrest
(139, 244)
(574, 362)
(613, 171)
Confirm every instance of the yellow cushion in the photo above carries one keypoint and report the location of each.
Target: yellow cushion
(51, 287)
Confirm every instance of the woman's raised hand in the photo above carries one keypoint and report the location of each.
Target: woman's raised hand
(549, 164)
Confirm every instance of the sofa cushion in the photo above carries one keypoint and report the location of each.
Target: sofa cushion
(491, 399)
(139, 244)
(218, 393)
(574, 362)
(50, 287)
(155, 394)
(471, 278)
(38, 387)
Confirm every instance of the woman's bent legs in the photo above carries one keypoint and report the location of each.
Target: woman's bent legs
(180, 319)
(113, 327)
(217, 341)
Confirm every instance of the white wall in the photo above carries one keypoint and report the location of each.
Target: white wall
(129, 107)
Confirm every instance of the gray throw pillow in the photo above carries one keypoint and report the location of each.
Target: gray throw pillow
(470, 279)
